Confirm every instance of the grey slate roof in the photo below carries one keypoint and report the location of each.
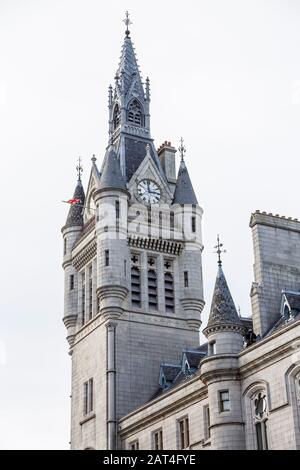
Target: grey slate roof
(111, 176)
(194, 358)
(75, 215)
(128, 68)
(222, 310)
(170, 371)
(135, 152)
(184, 192)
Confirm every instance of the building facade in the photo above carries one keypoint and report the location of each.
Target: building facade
(134, 296)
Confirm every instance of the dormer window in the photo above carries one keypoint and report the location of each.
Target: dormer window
(135, 114)
(116, 118)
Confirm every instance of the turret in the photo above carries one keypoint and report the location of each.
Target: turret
(220, 370)
(71, 231)
(111, 227)
(187, 221)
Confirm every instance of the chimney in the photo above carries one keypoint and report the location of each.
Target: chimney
(166, 155)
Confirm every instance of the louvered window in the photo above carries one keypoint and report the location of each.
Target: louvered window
(169, 287)
(134, 114)
(135, 281)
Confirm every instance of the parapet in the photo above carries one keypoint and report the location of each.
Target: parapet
(276, 221)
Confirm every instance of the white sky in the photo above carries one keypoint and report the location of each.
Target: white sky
(224, 74)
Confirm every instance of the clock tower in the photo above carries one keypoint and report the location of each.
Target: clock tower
(133, 271)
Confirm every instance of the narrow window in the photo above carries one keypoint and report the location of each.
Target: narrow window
(90, 292)
(88, 396)
(193, 224)
(211, 348)
(158, 440)
(261, 409)
(152, 289)
(97, 212)
(71, 281)
(83, 298)
(172, 221)
(224, 401)
(85, 397)
(116, 118)
(135, 286)
(106, 257)
(125, 267)
(206, 422)
(169, 286)
(65, 246)
(134, 445)
(117, 205)
(91, 395)
(184, 435)
(98, 304)
(186, 278)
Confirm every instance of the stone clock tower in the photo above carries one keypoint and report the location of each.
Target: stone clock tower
(132, 262)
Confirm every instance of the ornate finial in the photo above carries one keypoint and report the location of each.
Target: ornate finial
(110, 96)
(79, 169)
(93, 158)
(127, 22)
(219, 251)
(147, 89)
(182, 149)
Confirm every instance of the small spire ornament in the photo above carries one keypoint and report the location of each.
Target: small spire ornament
(219, 250)
(182, 149)
(127, 23)
(79, 169)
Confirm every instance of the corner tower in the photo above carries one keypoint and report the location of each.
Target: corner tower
(136, 258)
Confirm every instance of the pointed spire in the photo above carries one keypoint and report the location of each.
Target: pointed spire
(222, 311)
(111, 176)
(75, 215)
(128, 68)
(184, 192)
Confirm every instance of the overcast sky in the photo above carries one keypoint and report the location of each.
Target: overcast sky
(225, 75)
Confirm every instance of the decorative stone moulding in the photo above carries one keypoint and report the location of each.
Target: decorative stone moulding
(88, 253)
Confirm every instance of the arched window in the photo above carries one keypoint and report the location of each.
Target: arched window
(261, 418)
(116, 117)
(135, 114)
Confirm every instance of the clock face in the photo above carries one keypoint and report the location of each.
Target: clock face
(148, 192)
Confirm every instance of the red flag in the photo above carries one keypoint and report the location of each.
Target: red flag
(74, 201)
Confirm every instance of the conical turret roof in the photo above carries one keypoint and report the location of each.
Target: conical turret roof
(184, 192)
(222, 311)
(75, 215)
(111, 176)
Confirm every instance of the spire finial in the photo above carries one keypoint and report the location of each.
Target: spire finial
(79, 169)
(182, 149)
(218, 247)
(127, 23)
(94, 158)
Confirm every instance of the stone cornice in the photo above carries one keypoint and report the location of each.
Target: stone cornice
(155, 244)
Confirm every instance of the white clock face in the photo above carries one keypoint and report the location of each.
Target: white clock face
(148, 192)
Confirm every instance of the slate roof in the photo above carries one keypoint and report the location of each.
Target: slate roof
(194, 357)
(184, 192)
(111, 176)
(135, 152)
(75, 215)
(128, 67)
(170, 371)
(222, 310)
